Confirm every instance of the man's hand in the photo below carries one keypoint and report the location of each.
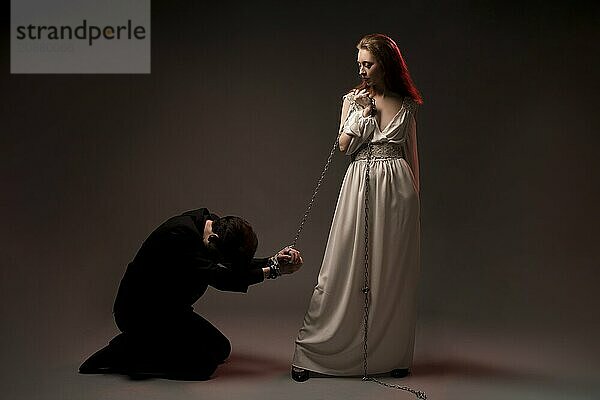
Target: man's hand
(290, 260)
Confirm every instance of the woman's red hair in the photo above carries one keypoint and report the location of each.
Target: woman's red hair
(396, 75)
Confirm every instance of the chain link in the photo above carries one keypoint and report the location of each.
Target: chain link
(314, 195)
(418, 393)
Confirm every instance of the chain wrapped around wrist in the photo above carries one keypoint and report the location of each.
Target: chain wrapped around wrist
(274, 271)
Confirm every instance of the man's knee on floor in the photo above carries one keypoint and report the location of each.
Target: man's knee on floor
(222, 349)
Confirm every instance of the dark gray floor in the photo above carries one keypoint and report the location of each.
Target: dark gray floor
(451, 362)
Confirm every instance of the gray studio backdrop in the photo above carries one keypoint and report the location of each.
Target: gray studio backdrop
(238, 115)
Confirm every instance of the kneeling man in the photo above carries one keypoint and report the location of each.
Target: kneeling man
(161, 334)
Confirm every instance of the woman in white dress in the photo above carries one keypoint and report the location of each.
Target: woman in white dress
(379, 113)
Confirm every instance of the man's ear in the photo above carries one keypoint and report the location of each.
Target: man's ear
(213, 238)
(213, 243)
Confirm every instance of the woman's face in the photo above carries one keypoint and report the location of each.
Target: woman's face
(369, 69)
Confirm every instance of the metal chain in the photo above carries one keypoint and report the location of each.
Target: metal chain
(418, 393)
(366, 288)
(314, 195)
(366, 291)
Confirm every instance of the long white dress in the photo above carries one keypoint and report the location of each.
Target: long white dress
(331, 338)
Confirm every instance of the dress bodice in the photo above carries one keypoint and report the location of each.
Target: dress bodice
(401, 130)
(364, 129)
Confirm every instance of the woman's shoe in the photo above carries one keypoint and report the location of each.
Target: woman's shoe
(299, 374)
(400, 373)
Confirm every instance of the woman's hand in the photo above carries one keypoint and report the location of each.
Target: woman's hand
(362, 98)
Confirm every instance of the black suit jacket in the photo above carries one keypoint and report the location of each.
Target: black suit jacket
(172, 270)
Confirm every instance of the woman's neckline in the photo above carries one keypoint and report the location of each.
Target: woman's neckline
(393, 118)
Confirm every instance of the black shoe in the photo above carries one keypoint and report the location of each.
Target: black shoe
(299, 374)
(400, 373)
(104, 361)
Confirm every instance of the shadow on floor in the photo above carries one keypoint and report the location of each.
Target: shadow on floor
(250, 365)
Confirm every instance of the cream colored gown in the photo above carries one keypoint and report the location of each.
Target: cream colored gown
(331, 338)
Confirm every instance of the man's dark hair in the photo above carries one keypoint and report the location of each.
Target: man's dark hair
(237, 241)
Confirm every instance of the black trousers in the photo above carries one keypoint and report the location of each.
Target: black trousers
(174, 345)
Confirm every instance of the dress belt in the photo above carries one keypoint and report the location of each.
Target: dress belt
(379, 150)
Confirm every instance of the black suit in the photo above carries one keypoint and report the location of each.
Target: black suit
(153, 308)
